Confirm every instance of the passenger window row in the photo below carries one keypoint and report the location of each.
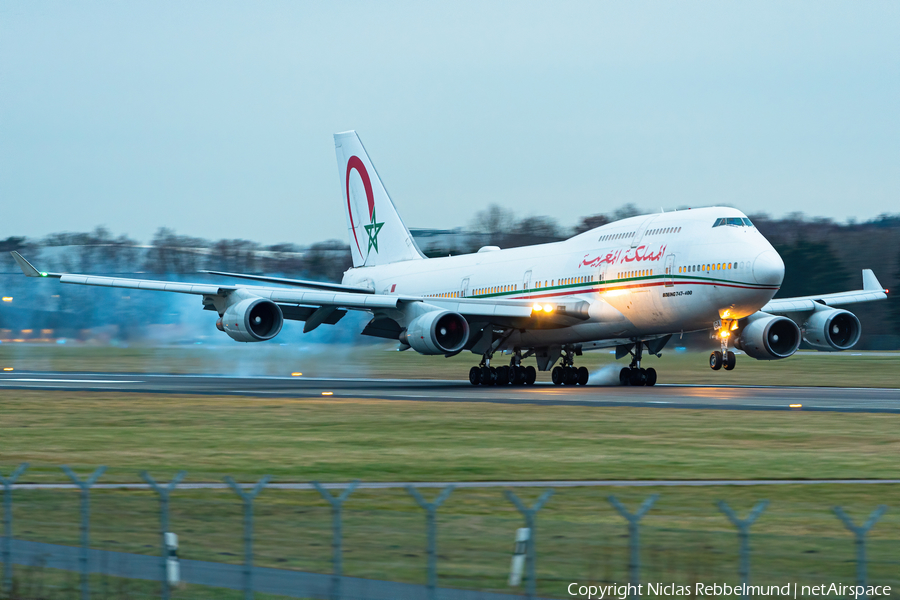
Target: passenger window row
(711, 267)
(664, 230)
(638, 273)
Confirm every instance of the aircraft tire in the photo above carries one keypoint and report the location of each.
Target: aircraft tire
(651, 376)
(730, 361)
(625, 376)
(558, 376)
(530, 375)
(638, 377)
(583, 375)
(715, 360)
(475, 375)
(486, 377)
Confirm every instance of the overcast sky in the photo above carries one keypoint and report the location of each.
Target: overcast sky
(216, 118)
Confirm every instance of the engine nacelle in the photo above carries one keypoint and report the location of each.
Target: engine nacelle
(252, 320)
(831, 329)
(767, 337)
(437, 332)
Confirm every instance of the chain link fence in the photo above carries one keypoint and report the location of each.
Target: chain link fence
(250, 540)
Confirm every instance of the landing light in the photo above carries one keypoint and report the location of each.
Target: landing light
(537, 307)
(328, 393)
(296, 374)
(7, 298)
(795, 405)
(548, 308)
(7, 368)
(724, 333)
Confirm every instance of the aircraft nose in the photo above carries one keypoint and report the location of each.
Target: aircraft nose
(768, 268)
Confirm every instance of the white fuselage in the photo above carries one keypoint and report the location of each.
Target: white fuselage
(642, 277)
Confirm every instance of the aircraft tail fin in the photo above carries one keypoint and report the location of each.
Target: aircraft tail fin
(377, 233)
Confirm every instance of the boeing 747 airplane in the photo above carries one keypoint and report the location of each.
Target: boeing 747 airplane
(629, 285)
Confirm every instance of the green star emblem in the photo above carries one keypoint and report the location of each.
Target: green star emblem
(372, 230)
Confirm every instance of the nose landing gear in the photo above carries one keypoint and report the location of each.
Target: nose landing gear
(724, 357)
(634, 374)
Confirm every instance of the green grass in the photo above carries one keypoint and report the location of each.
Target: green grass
(341, 439)
(580, 537)
(804, 369)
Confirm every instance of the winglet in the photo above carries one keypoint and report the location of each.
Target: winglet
(28, 268)
(870, 282)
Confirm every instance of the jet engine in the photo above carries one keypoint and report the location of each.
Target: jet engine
(767, 337)
(831, 329)
(252, 320)
(437, 332)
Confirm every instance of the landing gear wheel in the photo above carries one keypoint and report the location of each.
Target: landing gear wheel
(638, 377)
(530, 375)
(571, 374)
(730, 361)
(583, 375)
(487, 377)
(651, 376)
(507, 376)
(625, 376)
(558, 375)
(715, 360)
(501, 378)
(475, 375)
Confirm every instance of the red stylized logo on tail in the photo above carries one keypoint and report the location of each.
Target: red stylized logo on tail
(356, 163)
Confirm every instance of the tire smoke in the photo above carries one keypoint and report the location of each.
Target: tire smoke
(605, 376)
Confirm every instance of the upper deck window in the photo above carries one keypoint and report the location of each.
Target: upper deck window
(733, 221)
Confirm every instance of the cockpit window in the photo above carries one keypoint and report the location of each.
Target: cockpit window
(733, 221)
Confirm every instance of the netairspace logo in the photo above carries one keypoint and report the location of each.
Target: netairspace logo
(617, 591)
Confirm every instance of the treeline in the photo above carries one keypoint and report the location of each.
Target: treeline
(820, 256)
(170, 253)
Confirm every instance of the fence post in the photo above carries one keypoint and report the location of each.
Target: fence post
(743, 528)
(634, 561)
(337, 507)
(163, 492)
(531, 556)
(7, 526)
(860, 532)
(248, 498)
(431, 530)
(83, 559)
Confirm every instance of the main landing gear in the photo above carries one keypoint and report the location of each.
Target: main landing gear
(567, 373)
(514, 374)
(724, 357)
(634, 374)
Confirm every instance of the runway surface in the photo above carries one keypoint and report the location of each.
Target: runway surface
(659, 396)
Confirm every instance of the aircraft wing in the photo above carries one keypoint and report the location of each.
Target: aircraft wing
(475, 309)
(872, 290)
